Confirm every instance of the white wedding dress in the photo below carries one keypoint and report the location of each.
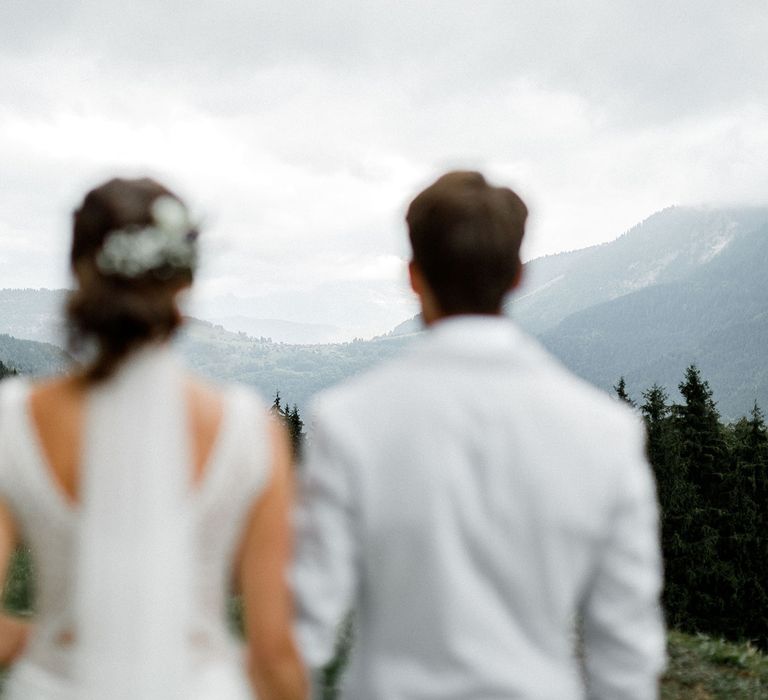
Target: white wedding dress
(132, 583)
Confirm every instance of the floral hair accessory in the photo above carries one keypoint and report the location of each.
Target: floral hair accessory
(168, 243)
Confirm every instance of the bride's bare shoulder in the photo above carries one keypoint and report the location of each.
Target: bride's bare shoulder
(204, 397)
(53, 393)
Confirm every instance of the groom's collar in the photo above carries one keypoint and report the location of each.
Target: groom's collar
(475, 335)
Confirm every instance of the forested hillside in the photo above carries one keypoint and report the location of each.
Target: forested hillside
(30, 357)
(297, 371)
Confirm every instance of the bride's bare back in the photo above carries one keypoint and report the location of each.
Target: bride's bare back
(57, 408)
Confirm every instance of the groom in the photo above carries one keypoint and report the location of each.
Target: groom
(479, 507)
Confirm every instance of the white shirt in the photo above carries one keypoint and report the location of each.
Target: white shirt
(471, 500)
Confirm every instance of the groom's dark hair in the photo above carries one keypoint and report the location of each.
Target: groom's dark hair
(466, 237)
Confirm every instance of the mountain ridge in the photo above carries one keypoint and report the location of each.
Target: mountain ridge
(683, 286)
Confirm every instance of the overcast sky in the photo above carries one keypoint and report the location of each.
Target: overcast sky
(299, 130)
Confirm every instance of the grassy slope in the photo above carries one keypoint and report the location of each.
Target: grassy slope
(702, 668)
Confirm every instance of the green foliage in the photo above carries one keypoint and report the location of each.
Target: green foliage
(6, 370)
(235, 617)
(293, 422)
(621, 392)
(18, 592)
(332, 673)
(712, 481)
(707, 668)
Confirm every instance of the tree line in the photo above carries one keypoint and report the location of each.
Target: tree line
(712, 481)
(291, 418)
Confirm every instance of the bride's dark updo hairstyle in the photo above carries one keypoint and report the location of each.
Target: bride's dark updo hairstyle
(115, 312)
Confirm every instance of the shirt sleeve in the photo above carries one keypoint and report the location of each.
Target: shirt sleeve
(623, 627)
(325, 565)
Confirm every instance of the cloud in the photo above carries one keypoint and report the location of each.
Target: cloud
(301, 130)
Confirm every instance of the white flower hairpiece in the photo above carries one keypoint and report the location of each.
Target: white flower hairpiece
(169, 242)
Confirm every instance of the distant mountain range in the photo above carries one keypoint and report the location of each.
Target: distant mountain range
(281, 331)
(33, 314)
(31, 357)
(684, 286)
(297, 370)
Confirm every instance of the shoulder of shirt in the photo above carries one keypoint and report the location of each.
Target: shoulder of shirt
(349, 394)
(578, 392)
(586, 402)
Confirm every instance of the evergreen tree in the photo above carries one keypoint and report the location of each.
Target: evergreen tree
(712, 582)
(6, 371)
(291, 419)
(749, 522)
(713, 492)
(676, 501)
(276, 408)
(621, 392)
(296, 430)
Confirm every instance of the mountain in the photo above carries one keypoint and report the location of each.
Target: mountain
(33, 314)
(412, 325)
(31, 357)
(352, 308)
(281, 331)
(713, 313)
(296, 371)
(684, 286)
(667, 247)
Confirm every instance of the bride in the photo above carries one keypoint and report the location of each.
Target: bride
(142, 491)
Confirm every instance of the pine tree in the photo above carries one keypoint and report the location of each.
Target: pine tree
(6, 371)
(291, 419)
(676, 501)
(713, 490)
(296, 430)
(621, 392)
(749, 522)
(276, 408)
(712, 582)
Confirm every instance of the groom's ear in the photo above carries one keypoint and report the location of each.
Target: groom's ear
(416, 278)
(430, 309)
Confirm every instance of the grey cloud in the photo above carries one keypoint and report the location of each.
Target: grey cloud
(306, 126)
(641, 60)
